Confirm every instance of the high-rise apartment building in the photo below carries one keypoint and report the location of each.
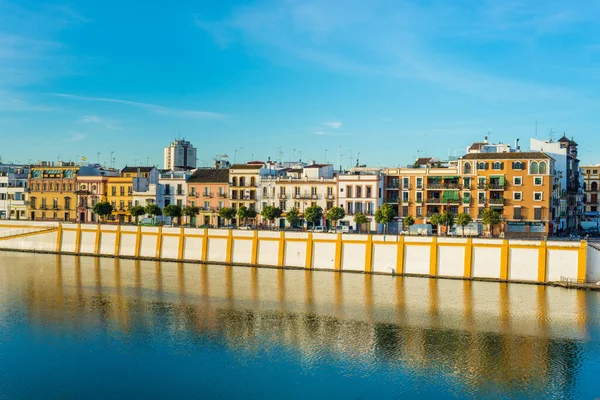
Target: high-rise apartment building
(180, 155)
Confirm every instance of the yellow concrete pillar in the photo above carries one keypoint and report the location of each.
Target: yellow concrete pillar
(433, 259)
(138, 241)
(59, 236)
(118, 241)
(504, 260)
(159, 242)
(582, 262)
(369, 254)
(281, 250)
(98, 236)
(205, 246)
(309, 251)
(229, 255)
(254, 259)
(400, 256)
(542, 262)
(181, 248)
(338, 252)
(468, 272)
(78, 240)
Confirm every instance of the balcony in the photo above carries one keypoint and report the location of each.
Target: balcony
(282, 196)
(435, 186)
(497, 202)
(330, 197)
(496, 186)
(405, 187)
(482, 185)
(207, 195)
(223, 195)
(433, 201)
(466, 201)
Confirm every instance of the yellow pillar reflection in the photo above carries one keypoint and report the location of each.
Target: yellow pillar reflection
(204, 280)
(400, 300)
(181, 281)
(468, 306)
(504, 307)
(281, 286)
(254, 283)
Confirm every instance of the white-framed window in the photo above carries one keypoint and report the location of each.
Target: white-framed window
(538, 181)
(518, 181)
(538, 196)
(497, 165)
(517, 196)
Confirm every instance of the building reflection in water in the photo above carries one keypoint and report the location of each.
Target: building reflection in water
(493, 336)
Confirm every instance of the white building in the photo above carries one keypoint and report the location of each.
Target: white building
(312, 185)
(360, 190)
(486, 147)
(13, 191)
(180, 155)
(146, 187)
(172, 188)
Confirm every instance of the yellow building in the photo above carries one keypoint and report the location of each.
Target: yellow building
(120, 196)
(518, 185)
(52, 192)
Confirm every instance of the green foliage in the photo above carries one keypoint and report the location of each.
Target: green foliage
(334, 214)
(173, 211)
(252, 213)
(313, 214)
(103, 209)
(462, 220)
(190, 211)
(448, 220)
(491, 218)
(153, 209)
(293, 217)
(268, 213)
(242, 213)
(436, 219)
(385, 214)
(360, 220)
(409, 220)
(136, 212)
(227, 213)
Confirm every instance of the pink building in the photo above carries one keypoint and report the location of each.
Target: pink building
(208, 189)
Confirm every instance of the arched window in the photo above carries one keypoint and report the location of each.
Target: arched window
(518, 165)
(234, 181)
(497, 165)
(51, 187)
(265, 191)
(481, 165)
(594, 187)
(252, 181)
(533, 168)
(242, 181)
(467, 168)
(543, 168)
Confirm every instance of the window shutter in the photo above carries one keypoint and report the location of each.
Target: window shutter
(502, 165)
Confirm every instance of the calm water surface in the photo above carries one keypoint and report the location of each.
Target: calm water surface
(100, 328)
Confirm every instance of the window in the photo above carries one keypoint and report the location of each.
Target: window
(329, 204)
(517, 165)
(467, 183)
(594, 171)
(221, 204)
(497, 165)
(466, 210)
(206, 205)
(405, 197)
(113, 190)
(265, 191)
(533, 168)
(419, 211)
(537, 196)
(313, 191)
(180, 188)
(480, 212)
(368, 189)
(404, 211)
(242, 181)
(481, 197)
(252, 181)
(537, 181)
(359, 191)
(348, 191)
(234, 181)
(543, 167)
(282, 205)
(467, 168)
(179, 203)
(419, 183)
(537, 213)
(193, 191)
(297, 204)
(282, 190)
(594, 187)
(121, 205)
(419, 197)
(518, 196)
(349, 206)
(517, 213)
(122, 191)
(330, 191)
(405, 183)
(482, 165)
(518, 181)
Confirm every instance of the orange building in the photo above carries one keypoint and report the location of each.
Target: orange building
(208, 189)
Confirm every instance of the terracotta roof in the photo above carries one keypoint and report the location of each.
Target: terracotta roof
(517, 155)
(317, 166)
(477, 146)
(423, 160)
(255, 162)
(565, 139)
(210, 176)
(135, 169)
(246, 166)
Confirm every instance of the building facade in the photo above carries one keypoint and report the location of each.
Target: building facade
(208, 189)
(361, 190)
(52, 192)
(243, 184)
(180, 155)
(13, 191)
(172, 188)
(591, 183)
(91, 189)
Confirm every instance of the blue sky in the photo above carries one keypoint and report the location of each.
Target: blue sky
(387, 79)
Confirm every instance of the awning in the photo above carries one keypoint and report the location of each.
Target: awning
(451, 195)
(591, 213)
(451, 177)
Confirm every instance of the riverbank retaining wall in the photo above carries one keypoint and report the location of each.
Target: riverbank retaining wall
(468, 258)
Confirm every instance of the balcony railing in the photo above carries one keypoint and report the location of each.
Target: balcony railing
(433, 201)
(497, 201)
(392, 200)
(207, 195)
(434, 186)
(496, 186)
(330, 197)
(482, 186)
(282, 196)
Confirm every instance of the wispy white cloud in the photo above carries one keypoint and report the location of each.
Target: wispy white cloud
(76, 137)
(155, 108)
(89, 119)
(334, 124)
(320, 133)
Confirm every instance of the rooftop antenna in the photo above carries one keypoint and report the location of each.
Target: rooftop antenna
(293, 154)
(357, 158)
(280, 154)
(550, 135)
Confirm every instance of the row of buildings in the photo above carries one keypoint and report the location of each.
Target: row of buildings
(540, 191)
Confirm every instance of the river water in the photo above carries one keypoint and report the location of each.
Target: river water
(76, 327)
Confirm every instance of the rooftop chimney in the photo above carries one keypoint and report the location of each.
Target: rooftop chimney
(485, 139)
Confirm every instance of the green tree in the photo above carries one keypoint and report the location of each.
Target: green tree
(268, 213)
(190, 211)
(293, 217)
(491, 218)
(242, 214)
(437, 220)
(153, 210)
(334, 214)
(313, 214)
(251, 213)
(384, 215)
(360, 219)
(136, 212)
(173, 211)
(409, 221)
(448, 220)
(462, 220)
(103, 209)
(227, 213)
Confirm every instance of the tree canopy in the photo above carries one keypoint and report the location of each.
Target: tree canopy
(136, 212)
(360, 220)
(462, 220)
(173, 211)
(227, 213)
(409, 221)
(491, 218)
(384, 215)
(153, 209)
(334, 214)
(103, 209)
(293, 217)
(242, 213)
(313, 214)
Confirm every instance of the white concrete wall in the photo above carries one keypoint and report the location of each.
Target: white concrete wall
(523, 264)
